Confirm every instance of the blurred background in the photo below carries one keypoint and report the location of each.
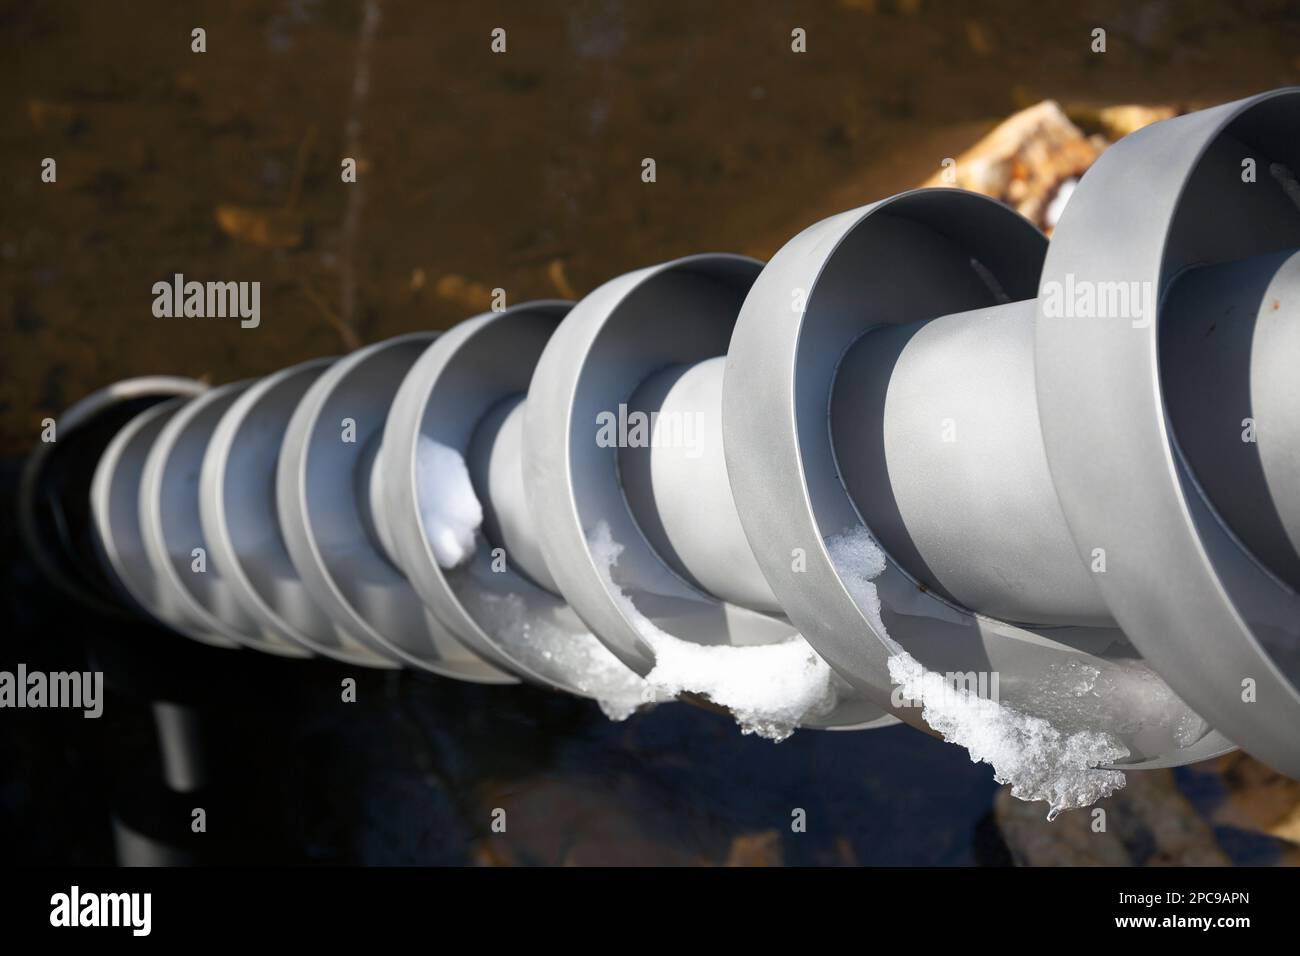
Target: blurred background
(521, 171)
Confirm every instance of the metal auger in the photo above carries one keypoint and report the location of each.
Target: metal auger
(1079, 460)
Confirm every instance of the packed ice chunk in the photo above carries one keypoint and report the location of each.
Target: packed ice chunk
(1124, 693)
(1038, 761)
(452, 515)
(859, 561)
(546, 645)
(449, 509)
(769, 688)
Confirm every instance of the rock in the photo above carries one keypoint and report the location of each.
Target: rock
(755, 849)
(555, 272)
(266, 228)
(1024, 160)
(575, 820)
(465, 293)
(1148, 823)
(1116, 122)
(1250, 796)
(1066, 841)
(45, 114)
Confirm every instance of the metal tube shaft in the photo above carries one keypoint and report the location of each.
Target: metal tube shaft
(936, 431)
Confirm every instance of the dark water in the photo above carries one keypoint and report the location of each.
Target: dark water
(412, 771)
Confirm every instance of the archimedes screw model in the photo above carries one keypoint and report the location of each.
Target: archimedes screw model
(921, 466)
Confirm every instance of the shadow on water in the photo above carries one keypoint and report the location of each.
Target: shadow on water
(413, 770)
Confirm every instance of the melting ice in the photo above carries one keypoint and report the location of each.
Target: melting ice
(452, 514)
(449, 509)
(769, 688)
(546, 645)
(1039, 761)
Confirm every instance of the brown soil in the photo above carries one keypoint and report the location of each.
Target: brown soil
(519, 171)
